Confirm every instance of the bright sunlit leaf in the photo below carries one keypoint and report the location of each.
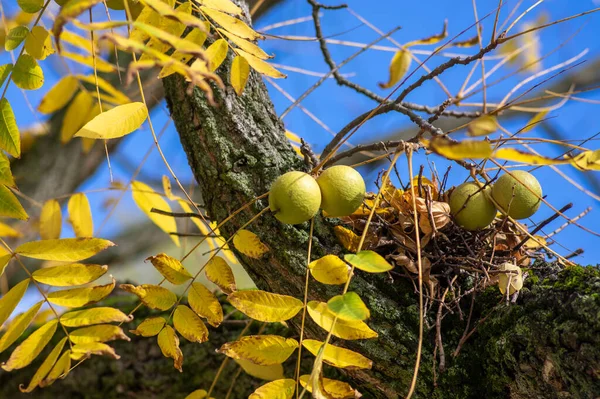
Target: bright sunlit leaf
(150, 327)
(399, 66)
(369, 261)
(240, 70)
(114, 123)
(205, 304)
(45, 368)
(99, 315)
(59, 95)
(263, 350)
(27, 74)
(10, 138)
(18, 325)
(344, 329)
(153, 296)
(349, 306)
(330, 269)
(80, 215)
(15, 37)
(333, 388)
(218, 271)
(10, 300)
(338, 357)
(279, 389)
(189, 324)
(169, 345)
(39, 43)
(265, 306)
(29, 349)
(460, 150)
(249, 244)
(146, 199)
(50, 220)
(260, 66)
(97, 333)
(77, 297)
(64, 249)
(482, 126)
(69, 275)
(231, 24)
(10, 205)
(170, 268)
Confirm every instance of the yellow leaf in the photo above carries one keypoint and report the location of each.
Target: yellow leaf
(10, 205)
(77, 297)
(231, 24)
(249, 244)
(80, 215)
(50, 220)
(294, 138)
(99, 333)
(68, 12)
(265, 306)
(76, 115)
(189, 325)
(80, 351)
(215, 54)
(219, 272)
(431, 39)
(167, 10)
(587, 160)
(198, 394)
(330, 269)
(39, 43)
(100, 64)
(369, 261)
(473, 41)
(347, 238)
(538, 243)
(512, 154)
(7, 231)
(63, 249)
(482, 126)
(112, 94)
(169, 345)
(338, 357)
(335, 389)
(83, 43)
(264, 350)
(45, 368)
(29, 349)
(533, 122)
(117, 122)
(197, 36)
(167, 33)
(511, 279)
(168, 190)
(146, 199)
(279, 389)
(18, 326)
(60, 369)
(240, 70)
(10, 300)
(205, 304)
(170, 268)
(153, 296)
(27, 74)
(246, 45)
(349, 306)
(10, 139)
(150, 327)
(460, 150)
(268, 373)
(15, 37)
(69, 275)
(260, 66)
(398, 67)
(344, 329)
(59, 95)
(4, 260)
(222, 5)
(99, 315)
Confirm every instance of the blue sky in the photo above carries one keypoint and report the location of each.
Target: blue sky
(336, 106)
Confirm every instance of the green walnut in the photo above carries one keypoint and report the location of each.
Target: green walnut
(342, 189)
(471, 206)
(295, 197)
(518, 194)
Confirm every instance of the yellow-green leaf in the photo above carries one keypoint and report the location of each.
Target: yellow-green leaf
(460, 150)
(349, 306)
(80, 351)
(330, 269)
(338, 357)
(10, 205)
(45, 368)
(169, 345)
(50, 220)
(8, 231)
(231, 24)
(246, 45)
(279, 389)
(69, 275)
(249, 244)
(15, 37)
(198, 394)
(482, 126)
(333, 388)
(150, 327)
(114, 123)
(515, 155)
(170, 268)
(59, 95)
(80, 215)
(153, 296)
(76, 115)
(146, 199)
(264, 350)
(222, 5)
(4, 260)
(29, 349)
(218, 271)
(240, 70)
(98, 333)
(63, 249)
(30, 6)
(99, 315)
(189, 325)
(10, 138)
(60, 369)
(399, 65)
(27, 74)
(5, 71)
(265, 306)
(205, 304)
(18, 325)
(6, 176)
(39, 43)
(344, 329)
(77, 297)
(10, 300)
(369, 261)
(260, 66)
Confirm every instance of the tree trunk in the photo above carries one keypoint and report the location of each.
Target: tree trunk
(546, 345)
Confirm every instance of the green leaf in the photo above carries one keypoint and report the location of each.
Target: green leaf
(5, 71)
(368, 261)
(10, 205)
(27, 74)
(30, 6)
(349, 307)
(10, 139)
(15, 37)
